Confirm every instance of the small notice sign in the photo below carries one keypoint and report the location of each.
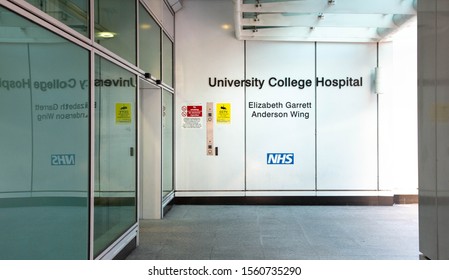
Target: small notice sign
(123, 113)
(223, 113)
(192, 116)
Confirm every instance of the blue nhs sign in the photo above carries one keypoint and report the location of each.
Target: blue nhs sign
(63, 159)
(280, 158)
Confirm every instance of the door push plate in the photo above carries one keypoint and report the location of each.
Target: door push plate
(210, 128)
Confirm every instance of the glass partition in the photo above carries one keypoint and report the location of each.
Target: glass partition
(115, 153)
(45, 158)
(149, 44)
(115, 27)
(72, 13)
(167, 59)
(44, 143)
(167, 143)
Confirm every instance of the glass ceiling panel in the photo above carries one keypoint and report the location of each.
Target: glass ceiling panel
(311, 20)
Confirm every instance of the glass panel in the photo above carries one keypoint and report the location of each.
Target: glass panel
(115, 158)
(72, 13)
(167, 143)
(149, 44)
(115, 27)
(167, 53)
(44, 143)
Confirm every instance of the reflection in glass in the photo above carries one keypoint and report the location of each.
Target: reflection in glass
(115, 154)
(149, 44)
(167, 143)
(44, 143)
(167, 55)
(72, 13)
(115, 27)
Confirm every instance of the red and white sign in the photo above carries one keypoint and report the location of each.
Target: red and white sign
(194, 111)
(192, 116)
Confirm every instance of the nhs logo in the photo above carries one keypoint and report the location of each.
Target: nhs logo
(280, 158)
(63, 159)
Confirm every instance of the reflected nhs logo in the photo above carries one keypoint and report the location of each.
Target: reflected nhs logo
(63, 159)
(280, 158)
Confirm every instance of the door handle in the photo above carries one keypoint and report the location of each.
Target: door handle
(131, 151)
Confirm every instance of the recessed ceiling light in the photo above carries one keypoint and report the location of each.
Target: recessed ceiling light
(145, 26)
(226, 26)
(106, 34)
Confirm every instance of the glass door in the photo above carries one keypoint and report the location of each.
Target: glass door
(44, 143)
(115, 144)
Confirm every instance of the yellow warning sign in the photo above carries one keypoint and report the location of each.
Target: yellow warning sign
(223, 113)
(123, 113)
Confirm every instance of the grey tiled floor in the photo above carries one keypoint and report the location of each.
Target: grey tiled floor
(193, 232)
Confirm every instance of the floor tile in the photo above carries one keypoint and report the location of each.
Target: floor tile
(244, 232)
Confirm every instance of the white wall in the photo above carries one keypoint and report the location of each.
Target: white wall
(266, 60)
(347, 118)
(398, 162)
(205, 49)
(337, 148)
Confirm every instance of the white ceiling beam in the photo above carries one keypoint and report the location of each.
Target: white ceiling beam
(308, 39)
(321, 32)
(329, 20)
(238, 18)
(341, 6)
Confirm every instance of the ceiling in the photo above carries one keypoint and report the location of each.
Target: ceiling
(321, 20)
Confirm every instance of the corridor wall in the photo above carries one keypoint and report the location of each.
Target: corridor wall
(289, 118)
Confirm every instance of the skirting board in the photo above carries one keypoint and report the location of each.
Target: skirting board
(299, 200)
